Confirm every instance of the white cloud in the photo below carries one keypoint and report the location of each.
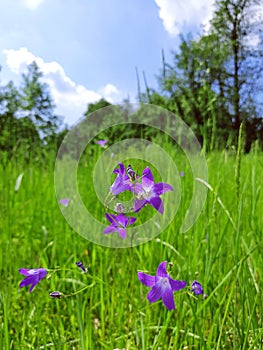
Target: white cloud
(33, 4)
(70, 98)
(111, 91)
(177, 13)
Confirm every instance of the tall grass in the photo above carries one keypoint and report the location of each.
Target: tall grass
(224, 247)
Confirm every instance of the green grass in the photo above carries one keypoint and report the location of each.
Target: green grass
(224, 247)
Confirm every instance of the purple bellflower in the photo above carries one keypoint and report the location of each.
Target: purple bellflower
(162, 285)
(197, 288)
(56, 295)
(102, 143)
(148, 192)
(118, 223)
(64, 201)
(122, 181)
(33, 277)
(81, 266)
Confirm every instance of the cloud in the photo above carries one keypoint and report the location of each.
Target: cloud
(33, 4)
(71, 99)
(111, 91)
(176, 14)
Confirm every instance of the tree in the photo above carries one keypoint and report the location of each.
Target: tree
(191, 87)
(15, 133)
(237, 23)
(214, 82)
(27, 119)
(36, 102)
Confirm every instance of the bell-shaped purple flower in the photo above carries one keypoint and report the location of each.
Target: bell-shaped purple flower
(162, 285)
(102, 143)
(64, 201)
(55, 295)
(197, 288)
(148, 192)
(122, 181)
(118, 224)
(33, 277)
(81, 266)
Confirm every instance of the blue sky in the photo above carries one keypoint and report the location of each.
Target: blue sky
(88, 49)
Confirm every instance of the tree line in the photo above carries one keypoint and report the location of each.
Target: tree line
(214, 84)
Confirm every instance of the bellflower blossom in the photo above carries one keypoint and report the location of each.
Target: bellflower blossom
(33, 277)
(64, 201)
(81, 266)
(102, 143)
(55, 294)
(122, 181)
(162, 285)
(118, 223)
(197, 288)
(148, 192)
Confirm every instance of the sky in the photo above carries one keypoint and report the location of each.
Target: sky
(89, 49)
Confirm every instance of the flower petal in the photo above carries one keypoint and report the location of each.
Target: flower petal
(157, 203)
(161, 187)
(161, 270)
(168, 298)
(155, 293)
(122, 220)
(111, 218)
(110, 229)
(33, 286)
(147, 178)
(131, 220)
(176, 285)
(122, 232)
(25, 272)
(139, 204)
(138, 188)
(122, 169)
(120, 185)
(146, 279)
(28, 280)
(41, 273)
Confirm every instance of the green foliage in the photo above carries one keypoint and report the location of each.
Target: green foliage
(27, 119)
(36, 101)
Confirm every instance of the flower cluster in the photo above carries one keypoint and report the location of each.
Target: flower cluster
(145, 191)
(162, 285)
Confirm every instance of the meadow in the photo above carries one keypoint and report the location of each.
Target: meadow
(107, 308)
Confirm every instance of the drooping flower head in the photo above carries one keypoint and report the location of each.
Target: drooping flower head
(119, 208)
(55, 295)
(197, 288)
(122, 181)
(148, 192)
(162, 285)
(33, 277)
(64, 201)
(102, 143)
(118, 224)
(81, 266)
